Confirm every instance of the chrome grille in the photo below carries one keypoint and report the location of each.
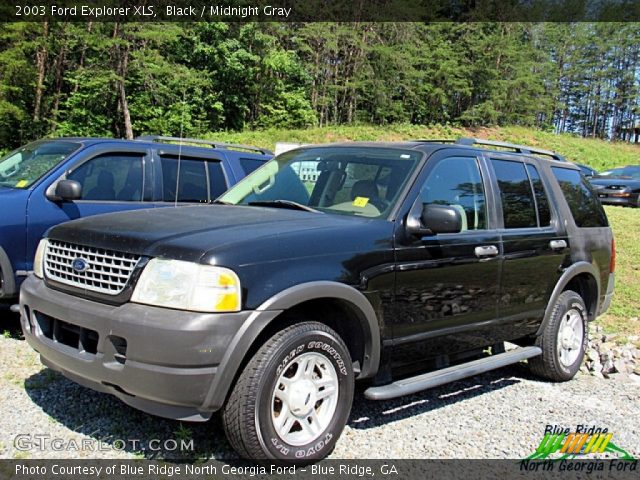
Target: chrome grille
(104, 271)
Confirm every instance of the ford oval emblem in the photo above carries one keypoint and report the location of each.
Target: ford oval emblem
(80, 265)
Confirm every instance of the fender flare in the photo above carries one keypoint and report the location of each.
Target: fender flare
(568, 275)
(9, 289)
(274, 306)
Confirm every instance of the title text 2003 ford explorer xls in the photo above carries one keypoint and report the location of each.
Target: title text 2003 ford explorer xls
(395, 263)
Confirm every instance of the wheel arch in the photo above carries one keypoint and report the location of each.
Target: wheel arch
(581, 277)
(285, 308)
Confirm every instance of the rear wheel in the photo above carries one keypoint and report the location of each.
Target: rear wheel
(293, 398)
(563, 340)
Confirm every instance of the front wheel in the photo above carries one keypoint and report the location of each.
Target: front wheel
(292, 401)
(563, 340)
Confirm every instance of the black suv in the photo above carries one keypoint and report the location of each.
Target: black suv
(406, 265)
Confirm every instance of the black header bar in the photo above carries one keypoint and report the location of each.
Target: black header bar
(323, 10)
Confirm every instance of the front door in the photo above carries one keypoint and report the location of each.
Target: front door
(447, 285)
(112, 181)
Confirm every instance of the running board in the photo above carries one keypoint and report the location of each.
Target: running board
(450, 374)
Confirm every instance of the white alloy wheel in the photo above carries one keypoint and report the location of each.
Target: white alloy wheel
(304, 399)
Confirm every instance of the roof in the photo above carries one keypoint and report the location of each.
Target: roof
(184, 144)
(474, 144)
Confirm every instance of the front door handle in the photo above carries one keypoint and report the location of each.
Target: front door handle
(486, 251)
(557, 244)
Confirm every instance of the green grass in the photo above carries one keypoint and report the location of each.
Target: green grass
(598, 154)
(623, 316)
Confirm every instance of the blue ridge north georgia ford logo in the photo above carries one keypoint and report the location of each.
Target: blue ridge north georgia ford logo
(80, 265)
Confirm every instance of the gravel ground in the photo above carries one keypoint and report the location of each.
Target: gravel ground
(501, 414)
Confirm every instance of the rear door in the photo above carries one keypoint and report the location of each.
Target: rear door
(534, 243)
(183, 179)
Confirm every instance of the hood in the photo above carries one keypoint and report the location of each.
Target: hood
(223, 234)
(6, 191)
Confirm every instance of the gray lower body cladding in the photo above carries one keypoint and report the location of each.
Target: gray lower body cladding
(158, 360)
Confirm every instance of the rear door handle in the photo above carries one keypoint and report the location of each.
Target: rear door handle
(486, 251)
(557, 244)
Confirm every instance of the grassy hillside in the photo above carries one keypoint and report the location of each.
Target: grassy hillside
(623, 317)
(598, 154)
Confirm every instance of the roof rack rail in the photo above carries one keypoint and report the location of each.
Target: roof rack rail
(436, 140)
(229, 146)
(517, 148)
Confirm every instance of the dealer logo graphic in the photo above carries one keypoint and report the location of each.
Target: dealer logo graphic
(559, 444)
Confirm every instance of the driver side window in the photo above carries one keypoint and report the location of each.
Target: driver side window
(457, 182)
(112, 177)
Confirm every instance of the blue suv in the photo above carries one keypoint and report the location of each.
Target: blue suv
(55, 180)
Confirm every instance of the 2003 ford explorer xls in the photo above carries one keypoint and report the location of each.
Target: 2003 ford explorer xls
(394, 263)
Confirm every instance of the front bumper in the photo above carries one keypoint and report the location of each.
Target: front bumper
(157, 360)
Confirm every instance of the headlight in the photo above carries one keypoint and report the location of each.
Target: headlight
(38, 261)
(188, 286)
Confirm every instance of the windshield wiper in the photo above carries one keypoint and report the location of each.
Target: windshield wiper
(222, 202)
(283, 204)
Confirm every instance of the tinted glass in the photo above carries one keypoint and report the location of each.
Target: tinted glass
(631, 171)
(191, 184)
(584, 205)
(217, 182)
(518, 207)
(587, 171)
(250, 164)
(542, 201)
(362, 181)
(112, 177)
(21, 168)
(457, 182)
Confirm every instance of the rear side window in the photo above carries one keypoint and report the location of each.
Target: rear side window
(188, 185)
(583, 203)
(217, 181)
(542, 201)
(250, 164)
(518, 204)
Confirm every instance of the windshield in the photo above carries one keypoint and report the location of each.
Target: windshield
(362, 181)
(23, 167)
(631, 171)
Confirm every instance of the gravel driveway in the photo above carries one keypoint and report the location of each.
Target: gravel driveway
(501, 414)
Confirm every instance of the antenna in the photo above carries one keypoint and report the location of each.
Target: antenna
(175, 203)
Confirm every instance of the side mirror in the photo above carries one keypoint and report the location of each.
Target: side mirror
(435, 219)
(67, 190)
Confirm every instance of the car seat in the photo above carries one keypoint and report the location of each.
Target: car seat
(104, 189)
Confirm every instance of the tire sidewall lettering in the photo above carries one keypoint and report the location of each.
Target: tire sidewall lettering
(333, 352)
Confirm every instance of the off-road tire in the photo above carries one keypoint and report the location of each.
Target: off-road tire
(247, 415)
(548, 365)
